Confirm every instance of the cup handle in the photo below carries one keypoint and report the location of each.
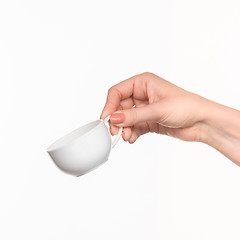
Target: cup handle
(115, 141)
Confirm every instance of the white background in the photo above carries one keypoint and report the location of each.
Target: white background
(57, 61)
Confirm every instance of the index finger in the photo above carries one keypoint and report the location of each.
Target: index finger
(116, 94)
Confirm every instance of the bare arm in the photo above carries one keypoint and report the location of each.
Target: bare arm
(222, 130)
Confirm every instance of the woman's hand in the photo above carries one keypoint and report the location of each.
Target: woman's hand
(147, 103)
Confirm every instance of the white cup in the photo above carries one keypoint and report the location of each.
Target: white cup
(83, 149)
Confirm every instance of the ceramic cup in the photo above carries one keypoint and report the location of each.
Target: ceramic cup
(83, 149)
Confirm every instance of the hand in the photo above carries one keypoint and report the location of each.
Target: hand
(147, 103)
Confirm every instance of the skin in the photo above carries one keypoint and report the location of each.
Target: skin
(148, 103)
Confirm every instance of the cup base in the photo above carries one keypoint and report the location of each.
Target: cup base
(92, 168)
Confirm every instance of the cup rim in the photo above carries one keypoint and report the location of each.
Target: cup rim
(62, 142)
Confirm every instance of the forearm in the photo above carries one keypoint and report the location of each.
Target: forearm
(221, 130)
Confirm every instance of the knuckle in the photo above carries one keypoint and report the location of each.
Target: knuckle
(147, 74)
(134, 116)
(145, 77)
(110, 90)
(114, 91)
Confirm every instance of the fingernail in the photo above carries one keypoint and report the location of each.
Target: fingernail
(117, 118)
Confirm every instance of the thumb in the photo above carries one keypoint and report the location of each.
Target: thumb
(130, 117)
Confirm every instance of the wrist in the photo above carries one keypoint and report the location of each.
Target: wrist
(221, 130)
